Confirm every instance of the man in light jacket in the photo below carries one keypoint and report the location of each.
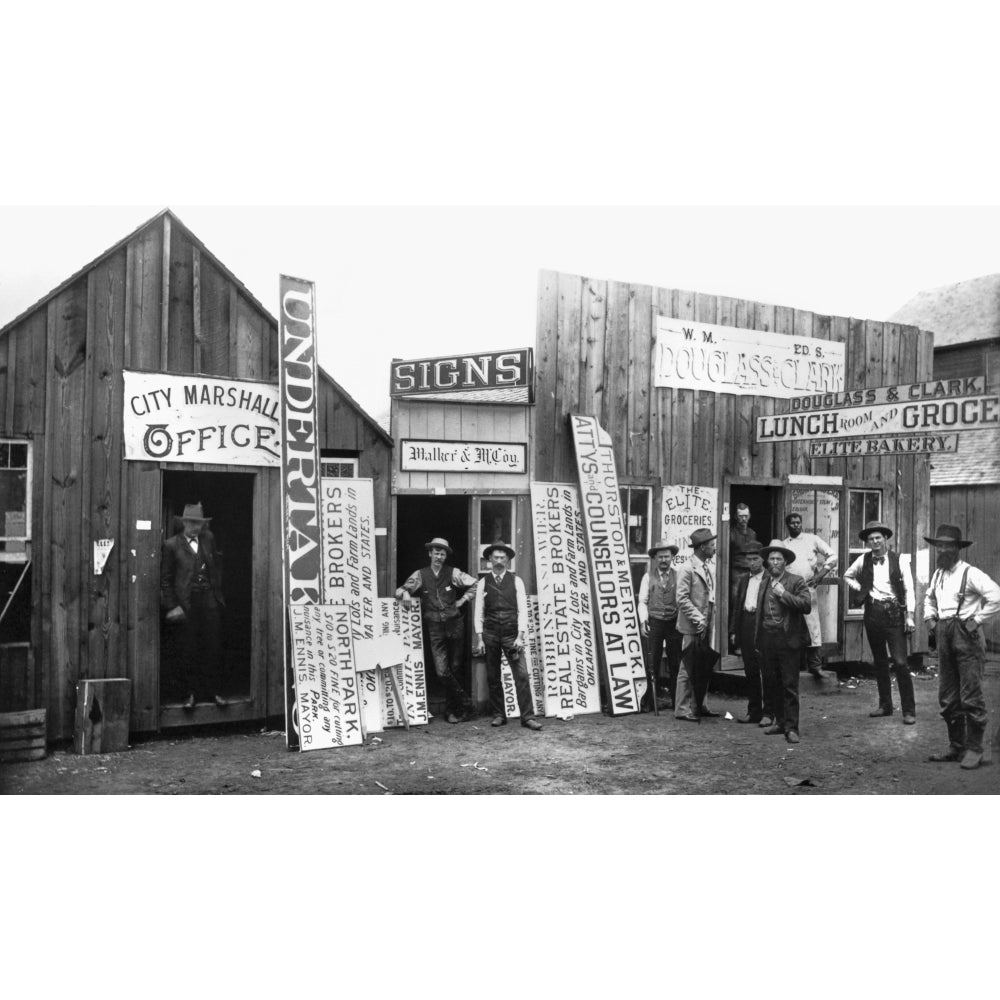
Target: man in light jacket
(695, 610)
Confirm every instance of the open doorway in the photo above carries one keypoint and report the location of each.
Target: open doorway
(227, 498)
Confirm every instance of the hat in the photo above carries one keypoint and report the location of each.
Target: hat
(701, 536)
(662, 546)
(776, 546)
(752, 549)
(949, 533)
(502, 546)
(193, 512)
(438, 543)
(874, 526)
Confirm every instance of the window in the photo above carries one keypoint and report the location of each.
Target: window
(496, 524)
(334, 465)
(865, 506)
(637, 504)
(15, 492)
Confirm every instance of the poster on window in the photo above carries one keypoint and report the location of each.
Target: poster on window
(685, 509)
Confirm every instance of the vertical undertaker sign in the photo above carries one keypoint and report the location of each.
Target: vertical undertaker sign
(617, 620)
(569, 656)
(302, 581)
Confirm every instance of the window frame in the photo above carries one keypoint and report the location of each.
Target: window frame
(25, 555)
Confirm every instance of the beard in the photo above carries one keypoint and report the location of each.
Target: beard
(945, 560)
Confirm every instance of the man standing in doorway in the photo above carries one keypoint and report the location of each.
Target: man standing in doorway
(443, 591)
(501, 623)
(781, 636)
(814, 559)
(191, 597)
(741, 535)
(695, 611)
(742, 638)
(958, 602)
(658, 620)
(886, 585)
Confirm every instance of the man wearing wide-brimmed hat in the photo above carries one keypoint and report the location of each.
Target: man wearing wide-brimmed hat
(501, 623)
(657, 609)
(192, 599)
(814, 559)
(885, 583)
(695, 610)
(959, 600)
(781, 634)
(743, 637)
(443, 591)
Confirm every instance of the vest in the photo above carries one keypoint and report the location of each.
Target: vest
(199, 575)
(662, 598)
(438, 594)
(867, 576)
(500, 602)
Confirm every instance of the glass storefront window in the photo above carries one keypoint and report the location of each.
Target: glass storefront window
(865, 505)
(496, 524)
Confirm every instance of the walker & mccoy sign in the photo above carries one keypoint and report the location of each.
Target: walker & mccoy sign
(484, 377)
(458, 456)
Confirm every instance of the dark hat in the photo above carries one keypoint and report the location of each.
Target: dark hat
(752, 549)
(193, 512)
(438, 543)
(776, 546)
(701, 536)
(662, 547)
(874, 526)
(503, 546)
(949, 533)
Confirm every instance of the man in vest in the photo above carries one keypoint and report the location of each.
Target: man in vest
(742, 638)
(191, 595)
(886, 585)
(695, 610)
(501, 623)
(658, 620)
(443, 591)
(741, 536)
(959, 600)
(814, 559)
(781, 635)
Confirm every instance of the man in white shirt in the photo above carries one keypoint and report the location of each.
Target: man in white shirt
(886, 584)
(814, 559)
(657, 609)
(959, 599)
(501, 624)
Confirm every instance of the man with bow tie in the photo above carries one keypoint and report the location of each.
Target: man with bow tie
(886, 585)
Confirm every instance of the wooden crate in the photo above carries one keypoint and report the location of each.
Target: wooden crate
(102, 715)
(22, 735)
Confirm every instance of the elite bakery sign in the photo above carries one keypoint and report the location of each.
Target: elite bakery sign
(483, 377)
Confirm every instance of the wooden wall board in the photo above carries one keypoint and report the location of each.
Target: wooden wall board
(567, 388)
(145, 282)
(180, 318)
(640, 339)
(546, 375)
(214, 323)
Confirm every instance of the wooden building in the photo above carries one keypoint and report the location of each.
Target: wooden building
(157, 304)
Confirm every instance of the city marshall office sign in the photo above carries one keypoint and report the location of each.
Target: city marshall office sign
(483, 377)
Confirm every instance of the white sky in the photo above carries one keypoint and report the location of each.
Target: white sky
(421, 281)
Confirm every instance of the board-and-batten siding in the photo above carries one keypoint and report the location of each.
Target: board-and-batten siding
(594, 354)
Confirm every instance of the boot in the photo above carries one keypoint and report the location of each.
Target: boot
(973, 746)
(956, 741)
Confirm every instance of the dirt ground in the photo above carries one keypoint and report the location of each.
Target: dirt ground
(842, 752)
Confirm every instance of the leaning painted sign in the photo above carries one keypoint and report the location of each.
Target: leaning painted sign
(732, 359)
(607, 550)
(484, 377)
(192, 418)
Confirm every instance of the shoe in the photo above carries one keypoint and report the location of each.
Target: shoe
(880, 711)
(792, 736)
(188, 703)
(532, 724)
(767, 720)
(754, 719)
(971, 760)
(945, 758)
(220, 701)
(774, 730)
(707, 713)
(909, 719)
(819, 673)
(664, 703)
(499, 720)
(688, 718)
(452, 719)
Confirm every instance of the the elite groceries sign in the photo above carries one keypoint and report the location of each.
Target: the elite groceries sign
(731, 359)
(192, 418)
(484, 377)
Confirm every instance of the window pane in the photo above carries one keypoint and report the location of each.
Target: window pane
(19, 456)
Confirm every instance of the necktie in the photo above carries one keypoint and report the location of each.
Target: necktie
(497, 579)
(878, 560)
(708, 576)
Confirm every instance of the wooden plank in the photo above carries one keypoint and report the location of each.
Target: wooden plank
(744, 429)
(16, 682)
(763, 462)
(232, 358)
(12, 377)
(595, 315)
(546, 374)
(165, 298)
(616, 375)
(13, 756)
(635, 462)
(798, 452)
(681, 464)
(871, 468)
(216, 294)
(180, 319)
(891, 468)
(28, 718)
(567, 386)
(145, 333)
(102, 716)
(725, 408)
(249, 341)
(784, 322)
(855, 361)
(6, 381)
(705, 432)
(821, 330)
(196, 307)
(661, 401)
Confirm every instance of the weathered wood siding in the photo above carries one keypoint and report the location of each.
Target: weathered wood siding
(594, 355)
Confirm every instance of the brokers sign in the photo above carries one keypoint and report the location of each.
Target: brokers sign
(484, 377)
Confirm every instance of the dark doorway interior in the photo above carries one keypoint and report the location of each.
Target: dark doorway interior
(228, 499)
(419, 519)
(765, 517)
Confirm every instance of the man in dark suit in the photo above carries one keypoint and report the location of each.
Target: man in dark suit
(742, 637)
(191, 596)
(781, 634)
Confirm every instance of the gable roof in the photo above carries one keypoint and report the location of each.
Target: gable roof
(956, 314)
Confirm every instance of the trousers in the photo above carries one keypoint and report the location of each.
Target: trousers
(447, 642)
(663, 631)
(888, 642)
(199, 668)
(961, 663)
(780, 666)
(500, 639)
(758, 696)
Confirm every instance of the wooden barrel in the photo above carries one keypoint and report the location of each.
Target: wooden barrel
(22, 735)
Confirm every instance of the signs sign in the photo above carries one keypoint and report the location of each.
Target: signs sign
(456, 456)
(684, 509)
(484, 377)
(566, 622)
(607, 550)
(192, 418)
(301, 552)
(731, 359)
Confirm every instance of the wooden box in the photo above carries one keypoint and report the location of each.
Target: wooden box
(22, 735)
(102, 715)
